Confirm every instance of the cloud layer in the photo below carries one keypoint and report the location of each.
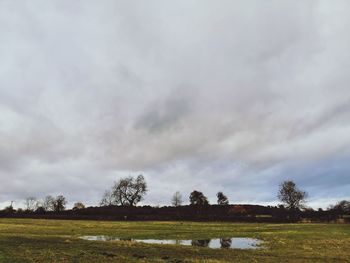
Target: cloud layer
(234, 96)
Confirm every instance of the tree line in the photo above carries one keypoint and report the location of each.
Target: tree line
(48, 203)
(129, 191)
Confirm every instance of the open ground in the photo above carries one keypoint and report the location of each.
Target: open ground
(34, 240)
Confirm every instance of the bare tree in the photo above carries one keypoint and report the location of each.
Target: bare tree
(48, 203)
(31, 203)
(129, 191)
(222, 199)
(291, 196)
(176, 200)
(107, 199)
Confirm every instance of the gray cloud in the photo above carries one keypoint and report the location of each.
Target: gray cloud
(233, 96)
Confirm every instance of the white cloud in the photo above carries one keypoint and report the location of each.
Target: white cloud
(232, 96)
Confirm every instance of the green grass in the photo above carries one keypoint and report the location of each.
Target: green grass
(27, 240)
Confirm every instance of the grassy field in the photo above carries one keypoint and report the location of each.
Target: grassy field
(27, 240)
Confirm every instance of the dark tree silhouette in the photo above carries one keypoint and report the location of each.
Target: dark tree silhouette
(40, 210)
(291, 196)
(342, 207)
(59, 203)
(129, 191)
(198, 198)
(9, 209)
(222, 199)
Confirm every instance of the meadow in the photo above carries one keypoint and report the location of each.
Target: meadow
(37, 240)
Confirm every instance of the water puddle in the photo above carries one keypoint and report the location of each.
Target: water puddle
(235, 242)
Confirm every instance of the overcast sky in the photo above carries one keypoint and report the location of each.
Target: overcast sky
(232, 96)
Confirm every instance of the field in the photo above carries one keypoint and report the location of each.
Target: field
(27, 240)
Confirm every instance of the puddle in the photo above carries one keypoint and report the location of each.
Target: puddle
(235, 242)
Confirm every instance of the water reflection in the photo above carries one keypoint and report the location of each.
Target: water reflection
(125, 239)
(225, 243)
(200, 243)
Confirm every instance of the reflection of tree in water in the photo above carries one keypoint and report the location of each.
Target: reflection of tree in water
(178, 242)
(225, 242)
(109, 238)
(125, 239)
(200, 243)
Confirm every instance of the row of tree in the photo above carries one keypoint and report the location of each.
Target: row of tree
(129, 191)
(48, 203)
(198, 198)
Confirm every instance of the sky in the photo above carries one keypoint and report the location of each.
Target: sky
(232, 96)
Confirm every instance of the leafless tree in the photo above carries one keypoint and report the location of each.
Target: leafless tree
(107, 199)
(48, 203)
(129, 191)
(176, 200)
(31, 203)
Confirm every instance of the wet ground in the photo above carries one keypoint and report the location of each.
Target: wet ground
(234, 242)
